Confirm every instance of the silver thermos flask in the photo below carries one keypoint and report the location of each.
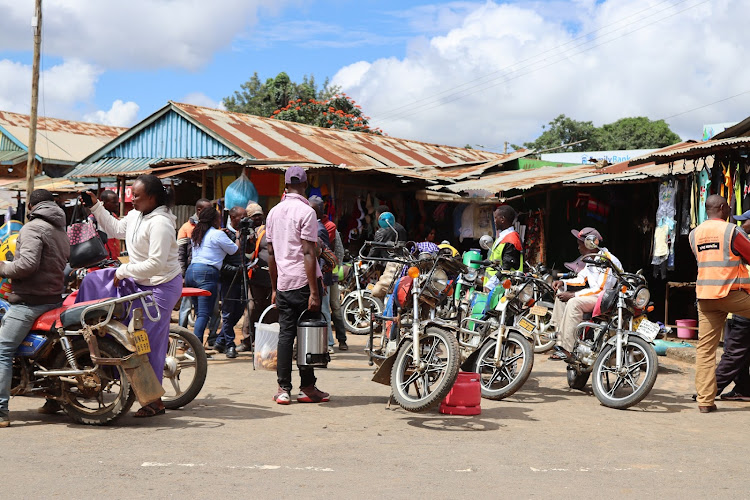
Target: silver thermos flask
(312, 340)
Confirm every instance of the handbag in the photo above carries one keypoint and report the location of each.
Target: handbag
(86, 247)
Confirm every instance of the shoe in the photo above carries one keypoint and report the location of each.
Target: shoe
(50, 407)
(5, 422)
(560, 354)
(282, 397)
(231, 352)
(312, 395)
(330, 349)
(707, 409)
(734, 396)
(244, 347)
(219, 348)
(343, 346)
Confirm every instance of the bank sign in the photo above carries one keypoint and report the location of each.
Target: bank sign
(583, 157)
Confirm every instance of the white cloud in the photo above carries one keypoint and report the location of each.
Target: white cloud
(135, 33)
(201, 99)
(60, 87)
(121, 114)
(506, 69)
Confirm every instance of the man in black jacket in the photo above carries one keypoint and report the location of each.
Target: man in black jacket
(384, 234)
(42, 250)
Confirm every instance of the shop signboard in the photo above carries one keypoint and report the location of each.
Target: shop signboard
(582, 157)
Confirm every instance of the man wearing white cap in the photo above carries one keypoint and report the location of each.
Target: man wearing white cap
(579, 295)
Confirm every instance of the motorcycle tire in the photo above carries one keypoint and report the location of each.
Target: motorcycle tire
(493, 386)
(637, 353)
(577, 380)
(97, 415)
(358, 322)
(181, 339)
(439, 380)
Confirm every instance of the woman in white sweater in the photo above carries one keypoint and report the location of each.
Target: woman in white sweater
(149, 231)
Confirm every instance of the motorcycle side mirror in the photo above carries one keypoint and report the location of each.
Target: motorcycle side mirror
(485, 242)
(591, 242)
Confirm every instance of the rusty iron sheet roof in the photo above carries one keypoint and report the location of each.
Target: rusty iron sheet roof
(693, 150)
(53, 184)
(519, 179)
(267, 138)
(59, 140)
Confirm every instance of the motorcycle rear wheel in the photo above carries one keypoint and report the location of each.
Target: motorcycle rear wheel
(115, 397)
(185, 368)
(500, 382)
(636, 379)
(416, 390)
(356, 320)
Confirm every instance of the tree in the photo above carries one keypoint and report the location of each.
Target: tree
(563, 130)
(626, 133)
(634, 133)
(258, 98)
(339, 111)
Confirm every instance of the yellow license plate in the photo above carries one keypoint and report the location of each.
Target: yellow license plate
(539, 311)
(526, 325)
(142, 345)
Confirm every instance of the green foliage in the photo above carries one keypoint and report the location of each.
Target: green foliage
(304, 102)
(626, 133)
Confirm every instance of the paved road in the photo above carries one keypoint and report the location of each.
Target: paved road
(545, 442)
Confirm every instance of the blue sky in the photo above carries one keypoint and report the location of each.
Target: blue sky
(524, 62)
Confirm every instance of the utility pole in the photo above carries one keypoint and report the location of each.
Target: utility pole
(505, 147)
(36, 24)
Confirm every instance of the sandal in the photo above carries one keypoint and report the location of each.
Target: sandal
(151, 410)
(558, 356)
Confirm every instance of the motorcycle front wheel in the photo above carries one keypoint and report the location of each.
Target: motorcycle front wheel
(637, 375)
(420, 387)
(503, 378)
(103, 396)
(185, 368)
(356, 320)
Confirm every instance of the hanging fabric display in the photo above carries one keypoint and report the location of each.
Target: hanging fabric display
(664, 234)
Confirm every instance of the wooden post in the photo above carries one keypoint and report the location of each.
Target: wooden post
(122, 197)
(98, 186)
(203, 184)
(31, 160)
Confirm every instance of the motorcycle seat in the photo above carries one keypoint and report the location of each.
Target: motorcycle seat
(65, 317)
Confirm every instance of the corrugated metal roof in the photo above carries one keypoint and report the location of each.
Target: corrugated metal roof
(59, 140)
(58, 184)
(113, 167)
(694, 150)
(12, 157)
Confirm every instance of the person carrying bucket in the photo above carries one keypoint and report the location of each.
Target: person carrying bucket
(292, 234)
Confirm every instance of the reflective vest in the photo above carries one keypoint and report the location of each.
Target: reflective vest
(261, 233)
(719, 269)
(496, 253)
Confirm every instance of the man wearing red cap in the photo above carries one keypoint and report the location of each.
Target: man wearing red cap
(578, 296)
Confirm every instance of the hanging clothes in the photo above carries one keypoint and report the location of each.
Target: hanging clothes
(704, 183)
(686, 191)
(664, 234)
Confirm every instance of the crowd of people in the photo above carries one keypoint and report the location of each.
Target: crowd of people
(286, 259)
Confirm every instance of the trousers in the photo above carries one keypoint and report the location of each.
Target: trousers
(291, 304)
(734, 365)
(566, 316)
(712, 314)
(336, 313)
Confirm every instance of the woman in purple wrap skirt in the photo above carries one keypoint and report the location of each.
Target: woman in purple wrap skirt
(149, 231)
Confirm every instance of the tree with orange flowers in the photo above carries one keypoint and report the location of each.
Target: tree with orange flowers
(339, 111)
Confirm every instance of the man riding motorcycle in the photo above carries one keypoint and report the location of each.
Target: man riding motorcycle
(578, 296)
(42, 250)
(507, 247)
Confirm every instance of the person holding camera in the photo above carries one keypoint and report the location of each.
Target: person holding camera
(210, 246)
(258, 277)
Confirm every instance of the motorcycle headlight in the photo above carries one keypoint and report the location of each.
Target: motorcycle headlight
(641, 298)
(438, 281)
(525, 293)
(470, 275)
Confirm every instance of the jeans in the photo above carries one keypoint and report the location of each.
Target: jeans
(325, 308)
(16, 324)
(291, 304)
(259, 302)
(185, 306)
(232, 308)
(189, 303)
(204, 277)
(338, 317)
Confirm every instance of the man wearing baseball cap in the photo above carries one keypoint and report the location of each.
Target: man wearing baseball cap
(292, 235)
(579, 295)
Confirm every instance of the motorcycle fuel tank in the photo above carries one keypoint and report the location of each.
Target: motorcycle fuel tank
(31, 345)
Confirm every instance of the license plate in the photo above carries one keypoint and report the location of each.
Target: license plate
(526, 325)
(142, 345)
(539, 311)
(648, 329)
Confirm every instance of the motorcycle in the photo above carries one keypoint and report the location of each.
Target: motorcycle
(86, 359)
(417, 353)
(618, 345)
(358, 300)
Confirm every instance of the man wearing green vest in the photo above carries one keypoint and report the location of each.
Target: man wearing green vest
(507, 247)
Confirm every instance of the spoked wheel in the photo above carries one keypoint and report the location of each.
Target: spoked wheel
(626, 387)
(420, 387)
(356, 320)
(100, 397)
(502, 378)
(544, 337)
(185, 368)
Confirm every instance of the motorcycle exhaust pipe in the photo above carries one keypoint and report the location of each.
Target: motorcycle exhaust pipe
(64, 373)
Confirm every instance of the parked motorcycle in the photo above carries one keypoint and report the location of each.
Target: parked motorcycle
(417, 352)
(86, 359)
(617, 346)
(358, 301)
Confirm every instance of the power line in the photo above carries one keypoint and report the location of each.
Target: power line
(482, 86)
(707, 105)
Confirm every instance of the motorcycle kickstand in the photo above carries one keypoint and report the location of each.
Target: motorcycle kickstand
(390, 400)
